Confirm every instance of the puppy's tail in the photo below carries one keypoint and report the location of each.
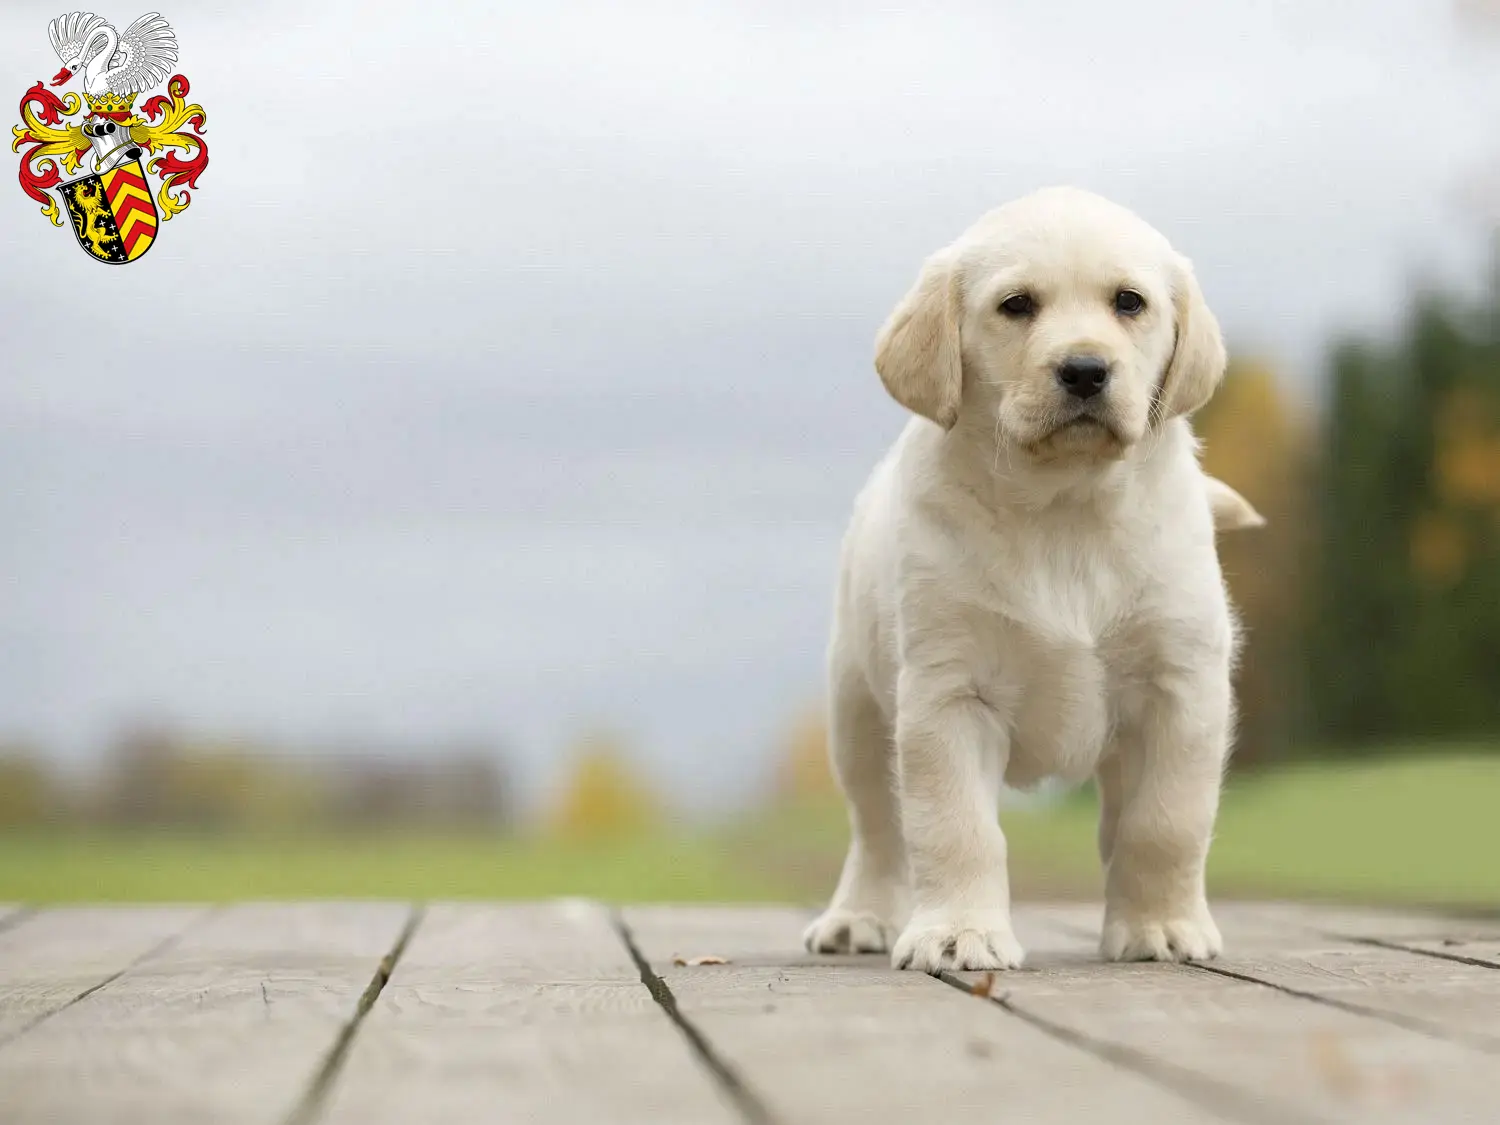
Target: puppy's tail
(1232, 512)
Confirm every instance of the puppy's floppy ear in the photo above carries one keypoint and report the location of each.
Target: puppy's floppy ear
(917, 353)
(1198, 357)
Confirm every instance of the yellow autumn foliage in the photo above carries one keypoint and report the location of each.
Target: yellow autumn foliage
(1467, 458)
(803, 772)
(602, 796)
(1439, 549)
(1258, 440)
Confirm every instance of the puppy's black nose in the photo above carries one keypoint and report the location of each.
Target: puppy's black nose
(1083, 376)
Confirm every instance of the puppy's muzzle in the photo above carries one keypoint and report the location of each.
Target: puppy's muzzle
(1082, 376)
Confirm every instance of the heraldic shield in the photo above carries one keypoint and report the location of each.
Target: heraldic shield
(113, 214)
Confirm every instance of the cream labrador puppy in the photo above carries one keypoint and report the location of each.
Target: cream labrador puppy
(1029, 589)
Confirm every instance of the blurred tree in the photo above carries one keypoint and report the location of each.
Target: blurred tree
(133, 786)
(470, 788)
(1258, 441)
(30, 796)
(803, 771)
(461, 788)
(157, 777)
(602, 797)
(1406, 638)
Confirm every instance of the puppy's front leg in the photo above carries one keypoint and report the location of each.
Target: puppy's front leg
(952, 752)
(1162, 794)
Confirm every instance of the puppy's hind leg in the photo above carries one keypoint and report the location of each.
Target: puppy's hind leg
(1109, 777)
(868, 909)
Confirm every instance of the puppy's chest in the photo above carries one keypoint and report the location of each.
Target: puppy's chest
(1058, 645)
(1059, 594)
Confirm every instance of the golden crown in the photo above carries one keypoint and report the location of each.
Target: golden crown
(110, 102)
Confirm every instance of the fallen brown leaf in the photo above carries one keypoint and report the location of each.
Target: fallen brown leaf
(1337, 1068)
(694, 962)
(983, 986)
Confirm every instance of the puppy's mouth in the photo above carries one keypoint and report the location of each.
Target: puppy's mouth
(1086, 421)
(1086, 433)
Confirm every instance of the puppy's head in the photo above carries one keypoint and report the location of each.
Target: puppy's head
(1063, 322)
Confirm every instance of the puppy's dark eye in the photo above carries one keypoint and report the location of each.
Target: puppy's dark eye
(1128, 302)
(1019, 304)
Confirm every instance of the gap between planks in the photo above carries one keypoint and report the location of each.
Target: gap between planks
(160, 947)
(1209, 1093)
(1198, 1088)
(1353, 1065)
(1402, 947)
(1206, 1097)
(747, 1103)
(1406, 1022)
(744, 1099)
(1221, 1099)
(310, 1107)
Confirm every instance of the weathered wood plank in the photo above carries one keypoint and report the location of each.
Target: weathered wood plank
(11, 915)
(1442, 998)
(832, 1040)
(525, 1013)
(1350, 957)
(1482, 952)
(1268, 923)
(1262, 926)
(228, 1025)
(538, 1013)
(49, 959)
(1317, 1062)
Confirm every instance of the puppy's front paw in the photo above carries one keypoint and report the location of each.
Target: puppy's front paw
(960, 939)
(1130, 937)
(848, 931)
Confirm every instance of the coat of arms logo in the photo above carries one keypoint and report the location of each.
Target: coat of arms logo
(114, 170)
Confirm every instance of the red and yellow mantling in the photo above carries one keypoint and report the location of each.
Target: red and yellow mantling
(164, 122)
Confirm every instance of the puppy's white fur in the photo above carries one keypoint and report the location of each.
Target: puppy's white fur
(1029, 588)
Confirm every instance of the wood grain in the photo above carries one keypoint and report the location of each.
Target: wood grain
(835, 1040)
(525, 1013)
(548, 1013)
(1484, 952)
(228, 1025)
(1367, 961)
(1259, 927)
(1268, 925)
(1441, 998)
(1308, 1059)
(51, 958)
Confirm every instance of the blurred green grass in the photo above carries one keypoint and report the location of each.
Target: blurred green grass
(1420, 828)
(170, 866)
(1417, 829)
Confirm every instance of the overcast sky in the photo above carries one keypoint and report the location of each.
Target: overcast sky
(511, 370)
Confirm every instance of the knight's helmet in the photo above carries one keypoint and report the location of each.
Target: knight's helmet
(108, 129)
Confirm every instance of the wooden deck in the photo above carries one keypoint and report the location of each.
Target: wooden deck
(568, 1012)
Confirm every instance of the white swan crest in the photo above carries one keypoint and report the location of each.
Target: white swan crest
(111, 62)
